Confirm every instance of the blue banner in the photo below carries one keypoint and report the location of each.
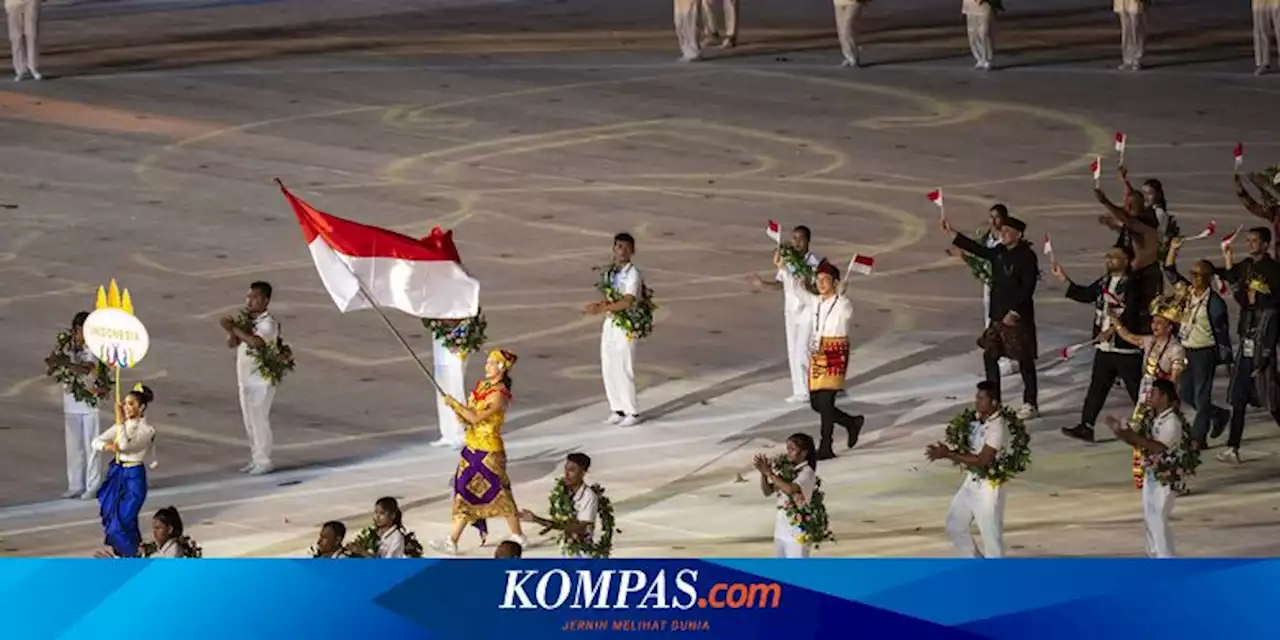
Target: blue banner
(530, 599)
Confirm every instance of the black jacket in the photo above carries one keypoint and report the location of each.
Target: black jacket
(1136, 316)
(1219, 316)
(1014, 275)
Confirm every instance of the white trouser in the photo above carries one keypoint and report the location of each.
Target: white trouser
(986, 306)
(710, 26)
(616, 353)
(84, 466)
(1157, 506)
(847, 28)
(1133, 36)
(1266, 24)
(24, 38)
(980, 36)
(799, 330)
(686, 18)
(788, 547)
(255, 406)
(979, 503)
(450, 371)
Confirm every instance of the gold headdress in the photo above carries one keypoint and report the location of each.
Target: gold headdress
(138, 387)
(1169, 308)
(507, 358)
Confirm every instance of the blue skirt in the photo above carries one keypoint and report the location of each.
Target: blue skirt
(120, 501)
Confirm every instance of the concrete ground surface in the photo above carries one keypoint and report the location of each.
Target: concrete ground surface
(537, 130)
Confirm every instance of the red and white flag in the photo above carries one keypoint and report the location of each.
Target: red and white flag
(1226, 240)
(1112, 299)
(1048, 246)
(774, 231)
(422, 278)
(1221, 286)
(1209, 230)
(935, 197)
(1067, 352)
(862, 264)
(1096, 168)
(1120, 139)
(1239, 154)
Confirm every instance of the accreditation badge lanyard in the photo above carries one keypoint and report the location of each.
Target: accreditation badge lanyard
(820, 319)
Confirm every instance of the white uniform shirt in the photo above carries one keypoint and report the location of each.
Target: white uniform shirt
(807, 480)
(793, 302)
(628, 282)
(992, 432)
(829, 317)
(70, 405)
(587, 504)
(391, 545)
(135, 440)
(169, 550)
(1167, 429)
(265, 327)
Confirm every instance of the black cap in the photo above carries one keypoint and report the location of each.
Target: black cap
(1017, 224)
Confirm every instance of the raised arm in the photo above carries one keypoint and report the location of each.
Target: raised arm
(471, 416)
(1252, 206)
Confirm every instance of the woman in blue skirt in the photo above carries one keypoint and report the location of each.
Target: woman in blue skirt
(120, 499)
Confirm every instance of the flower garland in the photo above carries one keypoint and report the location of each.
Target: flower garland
(811, 518)
(797, 265)
(73, 381)
(462, 337)
(637, 320)
(274, 360)
(1174, 465)
(563, 512)
(981, 267)
(187, 548)
(1017, 456)
(366, 543)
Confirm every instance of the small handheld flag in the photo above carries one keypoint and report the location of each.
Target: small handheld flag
(1239, 156)
(1221, 286)
(935, 197)
(1209, 230)
(862, 264)
(1067, 352)
(1112, 299)
(1120, 140)
(1048, 246)
(774, 231)
(1096, 168)
(1226, 240)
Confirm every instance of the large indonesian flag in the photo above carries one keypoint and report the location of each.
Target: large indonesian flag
(422, 278)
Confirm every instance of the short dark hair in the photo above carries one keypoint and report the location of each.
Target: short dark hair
(581, 459)
(338, 528)
(989, 388)
(513, 549)
(1169, 390)
(625, 237)
(262, 287)
(803, 230)
(1263, 233)
(78, 321)
(1000, 210)
(170, 517)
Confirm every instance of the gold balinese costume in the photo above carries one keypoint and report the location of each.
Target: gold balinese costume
(481, 488)
(1164, 363)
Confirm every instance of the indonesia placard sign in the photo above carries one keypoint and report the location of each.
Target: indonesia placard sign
(114, 335)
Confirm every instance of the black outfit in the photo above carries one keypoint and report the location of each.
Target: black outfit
(1202, 362)
(1014, 275)
(824, 402)
(1253, 381)
(1123, 360)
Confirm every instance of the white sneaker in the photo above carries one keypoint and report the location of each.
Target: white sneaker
(70, 494)
(247, 468)
(519, 539)
(36, 74)
(1229, 456)
(261, 469)
(629, 421)
(693, 58)
(447, 547)
(1008, 367)
(1028, 412)
(17, 77)
(798, 398)
(613, 419)
(727, 43)
(89, 495)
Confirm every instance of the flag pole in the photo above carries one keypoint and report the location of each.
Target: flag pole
(391, 327)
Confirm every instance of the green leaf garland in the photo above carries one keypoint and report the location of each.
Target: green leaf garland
(366, 544)
(811, 519)
(90, 388)
(1174, 465)
(981, 267)
(1017, 456)
(637, 320)
(274, 361)
(563, 512)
